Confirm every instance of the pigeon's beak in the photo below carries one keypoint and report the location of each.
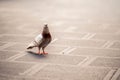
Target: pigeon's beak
(46, 26)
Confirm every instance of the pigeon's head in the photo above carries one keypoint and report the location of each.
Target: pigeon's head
(45, 29)
(46, 26)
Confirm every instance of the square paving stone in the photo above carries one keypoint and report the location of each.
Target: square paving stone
(68, 35)
(93, 28)
(106, 37)
(21, 39)
(106, 62)
(51, 58)
(6, 54)
(116, 45)
(56, 72)
(14, 31)
(96, 52)
(17, 47)
(13, 68)
(79, 43)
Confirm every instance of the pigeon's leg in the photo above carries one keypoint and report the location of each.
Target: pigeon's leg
(39, 50)
(44, 50)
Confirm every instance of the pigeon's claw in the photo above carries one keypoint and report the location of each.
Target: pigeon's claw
(38, 52)
(41, 53)
(45, 53)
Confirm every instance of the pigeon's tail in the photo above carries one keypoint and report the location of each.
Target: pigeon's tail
(31, 45)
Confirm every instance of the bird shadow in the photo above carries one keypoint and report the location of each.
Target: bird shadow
(36, 55)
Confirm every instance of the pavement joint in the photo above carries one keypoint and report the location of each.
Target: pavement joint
(116, 75)
(16, 56)
(92, 35)
(33, 69)
(106, 44)
(7, 45)
(65, 50)
(70, 50)
(85, 47)
(89, 35)
(109, 45)
(89, 61)
(86, 39)
(109, 75)
(21, 62)
(84, 61)
(86, 36)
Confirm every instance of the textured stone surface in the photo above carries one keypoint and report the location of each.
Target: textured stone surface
(118, 78)
(106, 62)
(116, 45)
(68, 35)
(17, 47)
(71, 73)
(106, 37)
(96, 52)
(23, 47)
(15, 39)
(94, 28)
(80, 43)
(1, 44)
(7, 54)
(55, 49)
(52, 58)
(12, 68)
(85, 36)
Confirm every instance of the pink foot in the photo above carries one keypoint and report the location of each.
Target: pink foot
(45, 53)
(41, 53)
(38, 53)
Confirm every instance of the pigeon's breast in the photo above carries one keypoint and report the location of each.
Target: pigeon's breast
(45, 42)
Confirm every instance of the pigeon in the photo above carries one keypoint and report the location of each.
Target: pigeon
(42, 40)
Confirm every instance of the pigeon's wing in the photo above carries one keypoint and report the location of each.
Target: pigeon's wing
(31, 45)
(37, 41)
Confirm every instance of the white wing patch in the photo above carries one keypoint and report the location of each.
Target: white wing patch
(38, 39)
(32, 44)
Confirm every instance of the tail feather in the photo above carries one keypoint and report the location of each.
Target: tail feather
(31, 45)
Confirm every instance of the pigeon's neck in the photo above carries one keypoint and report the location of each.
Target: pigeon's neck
(46, 35)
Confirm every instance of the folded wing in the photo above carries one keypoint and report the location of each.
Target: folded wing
(37, 41)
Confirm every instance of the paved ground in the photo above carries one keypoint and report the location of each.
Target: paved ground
(85, 46)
